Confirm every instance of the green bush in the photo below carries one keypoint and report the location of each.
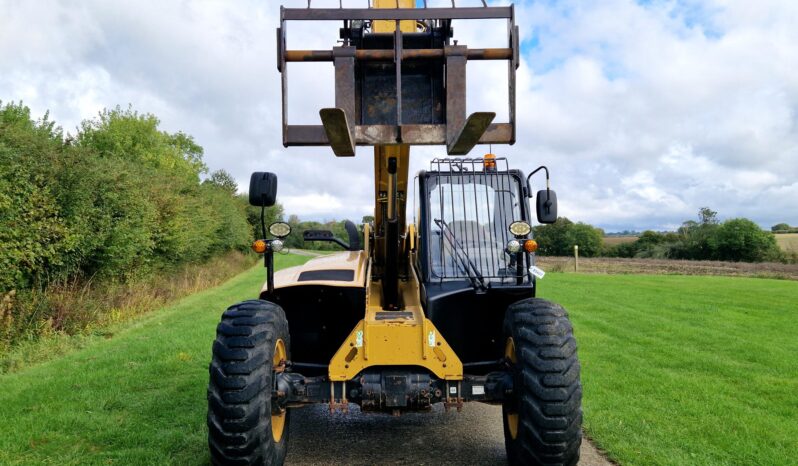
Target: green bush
(741, 239)
(587, 237)
(120, 199)
(552, 239)
(33, 236)
(560, 237)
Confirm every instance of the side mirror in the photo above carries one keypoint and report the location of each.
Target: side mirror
(263, 189)
(547, 206)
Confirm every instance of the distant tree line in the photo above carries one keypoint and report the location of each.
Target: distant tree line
(783, 228)
(737, 239)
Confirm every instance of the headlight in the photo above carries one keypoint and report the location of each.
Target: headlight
(280, 229)
(513, 246)
(277, 245)
(520, 228)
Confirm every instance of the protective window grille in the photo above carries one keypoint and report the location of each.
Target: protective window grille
(472, 203)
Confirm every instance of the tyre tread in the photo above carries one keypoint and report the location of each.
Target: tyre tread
(550, 414)
(239, 390)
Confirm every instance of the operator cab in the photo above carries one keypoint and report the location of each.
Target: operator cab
(475, 247)
(467, 209)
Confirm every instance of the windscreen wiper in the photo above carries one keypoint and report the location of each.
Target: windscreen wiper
(477, 280)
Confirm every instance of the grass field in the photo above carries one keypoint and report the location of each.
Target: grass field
(788, 241)
(676, 370)
(686, 370)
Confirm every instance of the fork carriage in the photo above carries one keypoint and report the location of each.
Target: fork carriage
(399, 79)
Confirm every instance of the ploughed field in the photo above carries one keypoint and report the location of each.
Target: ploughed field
(676, 370)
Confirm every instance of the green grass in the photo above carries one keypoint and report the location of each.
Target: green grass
(686, 370)
(137, 398)
(676, 370)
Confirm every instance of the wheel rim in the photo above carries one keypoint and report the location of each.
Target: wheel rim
(278, 416)
(511, 418)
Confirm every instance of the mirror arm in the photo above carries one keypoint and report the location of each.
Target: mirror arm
(542, 167)
(263, 222)
(268, 256)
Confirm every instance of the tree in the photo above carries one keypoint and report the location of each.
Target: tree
(224, 180)
(650, 238)
(707, 216)
(741, 239)
(134, 137)
(560, 237)
(551, 238)
(587, 237)
(695, 237)
(779, 227)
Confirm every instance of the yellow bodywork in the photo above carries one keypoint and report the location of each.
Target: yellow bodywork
(356, 261)
(390, 26)
(382, 338)
(395, 338)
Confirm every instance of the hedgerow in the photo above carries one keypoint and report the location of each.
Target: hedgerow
(120, 200)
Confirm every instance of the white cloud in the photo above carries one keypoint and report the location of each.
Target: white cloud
(644, 111)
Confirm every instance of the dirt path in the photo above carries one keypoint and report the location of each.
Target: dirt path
(473, 436)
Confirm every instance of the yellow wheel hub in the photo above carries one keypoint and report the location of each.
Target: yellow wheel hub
(511, 418)
(279, 358)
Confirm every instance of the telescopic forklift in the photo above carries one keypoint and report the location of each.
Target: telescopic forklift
(441, 310)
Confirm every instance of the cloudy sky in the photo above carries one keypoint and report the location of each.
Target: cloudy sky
(644, 110)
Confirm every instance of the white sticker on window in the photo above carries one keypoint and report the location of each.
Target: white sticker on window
(478, 390)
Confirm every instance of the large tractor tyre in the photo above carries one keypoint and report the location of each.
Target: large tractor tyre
(251, 346)
(543, 418)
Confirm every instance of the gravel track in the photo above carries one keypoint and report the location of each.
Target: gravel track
(473, 436)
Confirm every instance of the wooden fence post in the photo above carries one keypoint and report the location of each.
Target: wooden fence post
(576, 258)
